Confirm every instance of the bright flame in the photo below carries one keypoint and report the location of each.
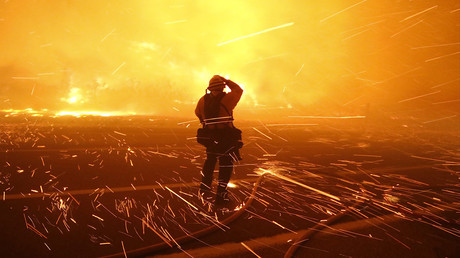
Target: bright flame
(92, 113)
(74, 96)
(30, 111)
(43, 112)
(231, 185)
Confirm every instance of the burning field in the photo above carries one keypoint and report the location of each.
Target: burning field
(127, 185)
(350, 121)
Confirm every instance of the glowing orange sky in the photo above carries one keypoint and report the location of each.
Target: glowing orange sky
(157, 56)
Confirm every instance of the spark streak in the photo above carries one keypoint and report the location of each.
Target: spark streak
(25, 78)
(157, 233)
(356, 34)
(262, 133)
(339, 12)
(329, 117)
(118, 68)
(439, 57)
(300, 184)
(439, 119)
(438, 45)
(400, 75)
(191, 205)
(405, 29)
(445, 83)
(291, 124)
(447, 101)
(256, 33)
(250, 250)
(108, 34)
(424, 11)
(421, 96)
(397, 240)
(297, 73)
(97, 217)
(29, 226)
(124, 251)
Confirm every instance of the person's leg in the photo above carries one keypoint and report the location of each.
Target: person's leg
(207, 172)
(225, 172)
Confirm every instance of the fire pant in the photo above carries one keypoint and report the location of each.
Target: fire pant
(225, 172)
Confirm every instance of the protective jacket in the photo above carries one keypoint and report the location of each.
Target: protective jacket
(224, 116)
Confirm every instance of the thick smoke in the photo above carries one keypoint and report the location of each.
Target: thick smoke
(156, 57)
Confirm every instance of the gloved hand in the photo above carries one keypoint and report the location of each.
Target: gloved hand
(222, 78)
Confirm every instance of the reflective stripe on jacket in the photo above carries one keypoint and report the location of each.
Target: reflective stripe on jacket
(229, 101)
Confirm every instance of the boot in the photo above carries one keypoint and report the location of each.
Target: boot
(205, 193)
(222, 198)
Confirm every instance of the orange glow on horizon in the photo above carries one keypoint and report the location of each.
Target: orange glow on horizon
(93, 113)
(45, 112)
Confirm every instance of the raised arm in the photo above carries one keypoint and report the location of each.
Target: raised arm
(234, 96)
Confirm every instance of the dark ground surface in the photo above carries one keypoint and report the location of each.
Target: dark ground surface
(87, 187)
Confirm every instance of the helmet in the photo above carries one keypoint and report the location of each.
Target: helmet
(216, 83)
